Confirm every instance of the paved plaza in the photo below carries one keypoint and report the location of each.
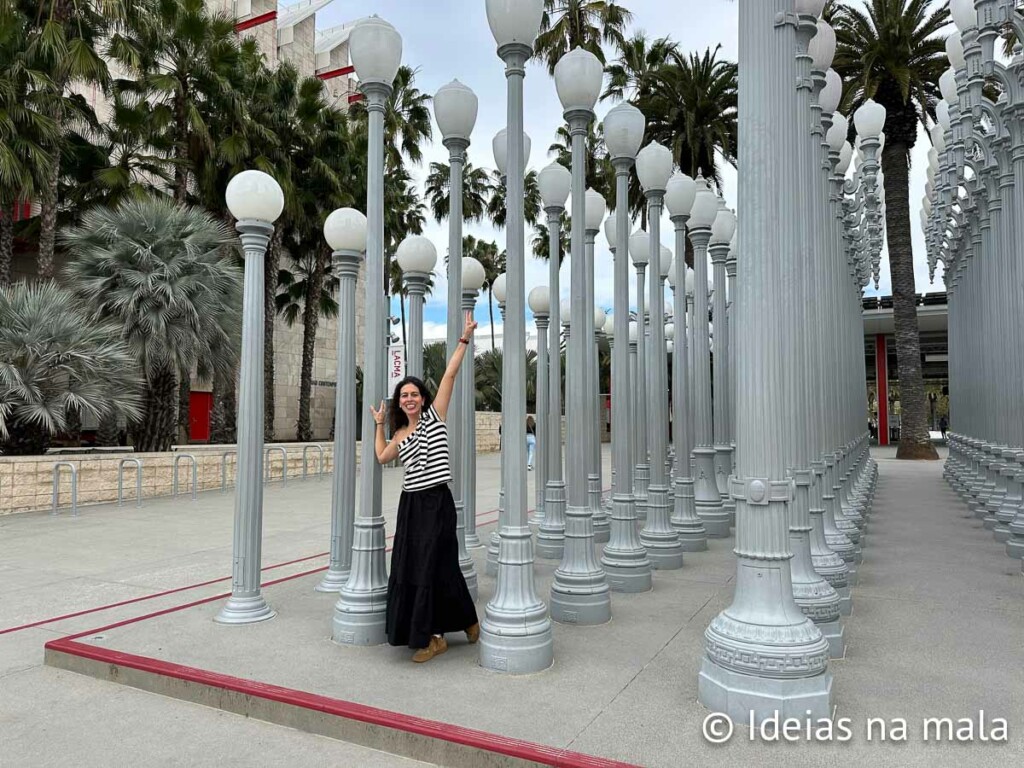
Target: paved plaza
(936, 631)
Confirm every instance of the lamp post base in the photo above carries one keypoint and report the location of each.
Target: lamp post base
(359, 619)
(530, 651)
(333, 580)
(748, 699)
(245, 610)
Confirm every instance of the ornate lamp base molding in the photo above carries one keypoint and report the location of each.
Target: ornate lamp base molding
(245, 610)
(745, 697)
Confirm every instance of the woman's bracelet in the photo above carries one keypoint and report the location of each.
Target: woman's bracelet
(464, 341)
(379, 423)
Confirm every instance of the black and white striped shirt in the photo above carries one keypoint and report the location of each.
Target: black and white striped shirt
(424, 453)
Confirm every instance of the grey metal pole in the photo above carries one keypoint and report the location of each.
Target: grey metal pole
(515, 634)
(415, 287)
(642, 472)
(602, 527)
(468, 456)
(457, 146)
(720, 402)
(543, 413)
(625, 559)
(343, 479)
(745, 674)
(692, 535)
(708, 499)
(579, 592)
(359, 614)
(658, 536)
(551, 534)
(247, 604)
(494, 543)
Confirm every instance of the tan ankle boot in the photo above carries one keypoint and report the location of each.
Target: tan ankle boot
(473, 633)
(438, 645)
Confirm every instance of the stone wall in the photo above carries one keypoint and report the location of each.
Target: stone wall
(26, 482)
(298, 50)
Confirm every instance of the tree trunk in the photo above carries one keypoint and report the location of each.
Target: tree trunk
(155, 431)
(73, 428)
(310, 323)
(223, 419)
(915, 442)
(6, 244)
(181, 151)
(48, 216)
(271, 266)
(108, 433)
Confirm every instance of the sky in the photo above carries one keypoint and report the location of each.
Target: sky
(450, 39)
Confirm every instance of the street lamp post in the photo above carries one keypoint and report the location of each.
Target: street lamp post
(722, 230)
(540, 302)
(624, 558)
(515, 633)
(455, 112)
(595, 213)
(255, 200)
(345, 232)
(640, 253)
(416, 257)
(494, 544)
(554, 181)
(763, 657)
(473, 277)
(653, 168)
(679, 196)
(359, 615)
(579, 592)
(708, 499)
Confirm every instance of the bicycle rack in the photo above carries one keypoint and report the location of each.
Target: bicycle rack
(195, 474)
(319, 460)
(74, 486)
(224, 469)
(284, 463)
(138, 481)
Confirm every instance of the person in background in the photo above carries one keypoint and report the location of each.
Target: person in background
(427, 593)
(943, 426)
(531, 441)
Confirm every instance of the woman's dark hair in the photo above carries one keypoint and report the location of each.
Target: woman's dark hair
(396, 416)
(531, 425)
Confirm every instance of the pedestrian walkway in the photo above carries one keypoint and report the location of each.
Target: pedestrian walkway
(936, 632)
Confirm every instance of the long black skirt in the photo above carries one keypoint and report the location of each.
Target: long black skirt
(427, 594)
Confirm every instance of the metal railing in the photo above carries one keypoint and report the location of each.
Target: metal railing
(74, 486)
(266, 463)
(195, 474)
(138, 481)
(224, 469)
(319, 460)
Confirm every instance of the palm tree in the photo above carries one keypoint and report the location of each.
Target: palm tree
(691, 109)
(57, 364)
(541, 241)
(493, 262)
(476, 191)
(600, 173)
(158, 271)
(407, 124)
(531, 199)
(488, 370)
(588, 24)
(634, 74)
(894, 52)
(25, 131)
(65, 41)
(435, 360)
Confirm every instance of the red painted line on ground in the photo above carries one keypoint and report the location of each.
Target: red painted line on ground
(362, 713)
(143, 598)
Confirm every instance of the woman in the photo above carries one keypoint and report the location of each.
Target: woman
(531, 441)
(427, 593)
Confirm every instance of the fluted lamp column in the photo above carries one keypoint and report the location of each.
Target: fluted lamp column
(473, 278)
(345, 232)
(679, 196)
(610, 234)
(255, 200)
(359, 615)
(515, 632)
(640, 253)
(624, 558)
(722, 230)
(595, 213)
(654, 168)
(539, 302)
(498, 291)
(708, 499)
(762, 656)
(455, 112)
(416, 257)
(579, 592)
(554, 181)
